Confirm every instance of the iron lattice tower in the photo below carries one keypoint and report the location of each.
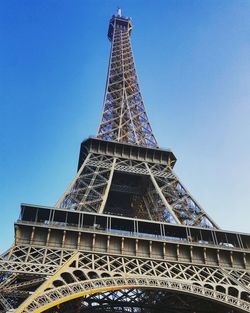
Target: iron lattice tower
(126, 236)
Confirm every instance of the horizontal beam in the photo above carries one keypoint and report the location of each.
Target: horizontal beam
(124, 150)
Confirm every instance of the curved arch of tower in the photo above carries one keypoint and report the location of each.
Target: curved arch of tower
(126, 236)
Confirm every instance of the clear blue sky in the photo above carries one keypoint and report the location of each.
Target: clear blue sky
(193, 61)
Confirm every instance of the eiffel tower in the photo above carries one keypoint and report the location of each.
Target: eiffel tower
(126, 236)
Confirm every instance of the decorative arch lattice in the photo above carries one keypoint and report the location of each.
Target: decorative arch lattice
(84, 274)
(59, 295)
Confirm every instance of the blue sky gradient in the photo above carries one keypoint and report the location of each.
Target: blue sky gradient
(193, 62)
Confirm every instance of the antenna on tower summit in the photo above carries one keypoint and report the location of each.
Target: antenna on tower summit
(119, 12)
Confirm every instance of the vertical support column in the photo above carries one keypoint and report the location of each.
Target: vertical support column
(168, 206)
(59, 202)
(106, 193)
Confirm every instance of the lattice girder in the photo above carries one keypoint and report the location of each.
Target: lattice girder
(163, 198)
(30, 260)
(111, 234)
(83, 275)
(124, 118)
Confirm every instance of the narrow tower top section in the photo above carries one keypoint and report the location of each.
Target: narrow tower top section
(120, 22)
(124, 117)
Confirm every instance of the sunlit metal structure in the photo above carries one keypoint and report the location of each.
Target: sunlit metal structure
(126, 236)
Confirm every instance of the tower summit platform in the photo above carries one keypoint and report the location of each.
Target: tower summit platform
(119, 21)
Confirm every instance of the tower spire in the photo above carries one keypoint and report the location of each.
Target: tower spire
(124, 117)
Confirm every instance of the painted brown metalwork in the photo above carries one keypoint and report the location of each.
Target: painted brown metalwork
(126, 236)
